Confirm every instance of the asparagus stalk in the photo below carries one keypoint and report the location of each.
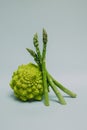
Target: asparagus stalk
(36, 45)
(73, 95)
(57, 92)
(34, 55)
(44, 68)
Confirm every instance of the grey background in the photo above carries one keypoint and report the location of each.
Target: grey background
(66, 24)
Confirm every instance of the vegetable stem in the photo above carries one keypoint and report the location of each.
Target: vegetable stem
(45, 85)
(46, 101)
(73, 95)
(57, 92)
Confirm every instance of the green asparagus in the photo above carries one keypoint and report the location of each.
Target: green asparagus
(47, 78)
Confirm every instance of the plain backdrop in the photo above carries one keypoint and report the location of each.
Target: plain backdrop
(66, 24)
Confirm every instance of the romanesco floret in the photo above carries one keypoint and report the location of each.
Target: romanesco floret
(27, 82)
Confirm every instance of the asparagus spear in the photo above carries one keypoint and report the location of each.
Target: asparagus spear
(57, 92)
(36, 45)
(34, 55)
(44, 68)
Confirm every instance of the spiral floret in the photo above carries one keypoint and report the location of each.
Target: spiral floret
(27, 82)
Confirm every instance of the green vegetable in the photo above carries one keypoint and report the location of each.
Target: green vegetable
(45, 85)
(27, 82)
(32, 82)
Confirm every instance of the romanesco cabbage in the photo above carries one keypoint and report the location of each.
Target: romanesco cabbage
(27, 82)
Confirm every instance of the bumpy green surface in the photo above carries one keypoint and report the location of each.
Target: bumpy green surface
(27, 82)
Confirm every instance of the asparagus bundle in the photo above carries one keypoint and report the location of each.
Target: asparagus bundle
(48, 80)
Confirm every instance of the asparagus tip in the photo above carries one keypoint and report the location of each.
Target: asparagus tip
(44, 36)
(74, 95)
